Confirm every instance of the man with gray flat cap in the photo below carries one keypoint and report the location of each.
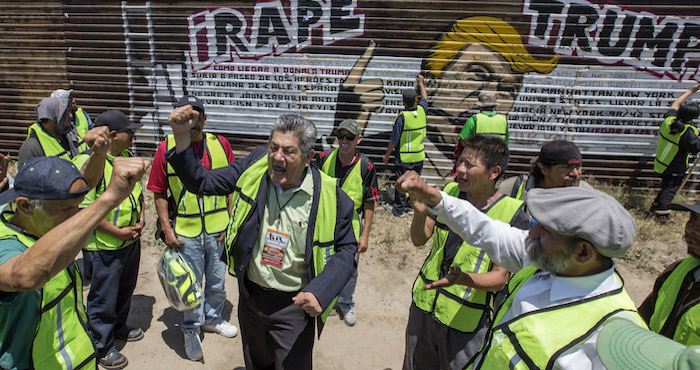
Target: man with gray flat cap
(565, 286)
(673, 307)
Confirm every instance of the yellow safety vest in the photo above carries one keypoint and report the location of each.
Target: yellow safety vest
(351, 185)
(51, 146)
(459, 307)
(127, 213)
(687, 328)
(414, 130)
(244, 198)
(535, 340)
(197, 213)
(62, 340)
(491, 123)
(667, 147)
(81, 122)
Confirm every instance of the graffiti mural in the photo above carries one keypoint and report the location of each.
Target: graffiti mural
(599, 73)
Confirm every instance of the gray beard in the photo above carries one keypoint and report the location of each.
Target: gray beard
(554, 263)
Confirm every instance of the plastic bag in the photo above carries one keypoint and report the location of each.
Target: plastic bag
(179, 281)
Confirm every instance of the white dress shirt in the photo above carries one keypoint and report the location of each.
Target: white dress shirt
(505, 246)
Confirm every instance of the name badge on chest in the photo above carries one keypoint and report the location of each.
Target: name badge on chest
(275, 247)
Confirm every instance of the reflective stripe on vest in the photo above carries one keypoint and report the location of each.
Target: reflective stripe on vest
(51, 146)
(81, 122)
(61, 340)
(537, 339)
(245, 196)
(667, 147)
(491, 123)
(520, 185)
(199, 213)
(411, 141)
(666, 301)
(459, 307)
(351, 185)
(127, 213)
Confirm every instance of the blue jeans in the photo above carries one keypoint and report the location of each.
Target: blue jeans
(345, 299)
(203, 253)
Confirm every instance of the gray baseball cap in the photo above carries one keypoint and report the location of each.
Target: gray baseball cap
(487, 99)
(586, 213)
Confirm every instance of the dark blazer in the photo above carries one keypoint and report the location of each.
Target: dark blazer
(328, 284)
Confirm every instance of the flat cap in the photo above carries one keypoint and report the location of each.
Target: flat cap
(586, 213)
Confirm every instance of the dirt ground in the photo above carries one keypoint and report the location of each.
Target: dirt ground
(383, 296)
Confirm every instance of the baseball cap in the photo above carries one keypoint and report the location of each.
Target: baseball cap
(487, 99)
(116, 120)
(586, 213)
(62, 93)
(695, 208)
(47, 178)
(622, 344)
(559, 152)
(191, 100)
(350, 125)
(409, 95)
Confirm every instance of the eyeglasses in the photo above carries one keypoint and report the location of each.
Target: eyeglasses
(348, 137)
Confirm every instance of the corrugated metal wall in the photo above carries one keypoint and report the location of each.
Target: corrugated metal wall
(32, 64)
(601, 74)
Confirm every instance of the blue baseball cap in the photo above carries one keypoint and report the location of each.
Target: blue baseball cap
(46, 178)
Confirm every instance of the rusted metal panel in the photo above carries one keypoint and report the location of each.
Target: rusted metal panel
(599, 73)
(32, 64)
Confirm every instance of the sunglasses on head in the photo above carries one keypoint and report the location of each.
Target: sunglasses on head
(348, 137)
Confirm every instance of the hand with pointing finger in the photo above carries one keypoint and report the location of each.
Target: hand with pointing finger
(358, 98)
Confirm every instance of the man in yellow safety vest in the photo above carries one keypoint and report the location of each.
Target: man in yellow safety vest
(44, 325)
(673, 307)
(112, 254)
(406, 142)
(290, 240)
(678, 138)
(565, 286)
(447, 326)
(196, 228)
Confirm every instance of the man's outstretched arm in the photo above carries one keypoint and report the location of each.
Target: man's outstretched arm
(504, 244)
(55, 250)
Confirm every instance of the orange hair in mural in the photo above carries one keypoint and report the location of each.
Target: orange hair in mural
(493, 33)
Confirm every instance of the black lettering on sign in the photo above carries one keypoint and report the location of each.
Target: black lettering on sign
(660, 45)
(219, 35)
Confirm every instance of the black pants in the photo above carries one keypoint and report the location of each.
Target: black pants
(670, 183)
(276, 334)
(401, 201)
(114, 275)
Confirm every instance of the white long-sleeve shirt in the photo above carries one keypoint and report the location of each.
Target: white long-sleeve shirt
(505, 245)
